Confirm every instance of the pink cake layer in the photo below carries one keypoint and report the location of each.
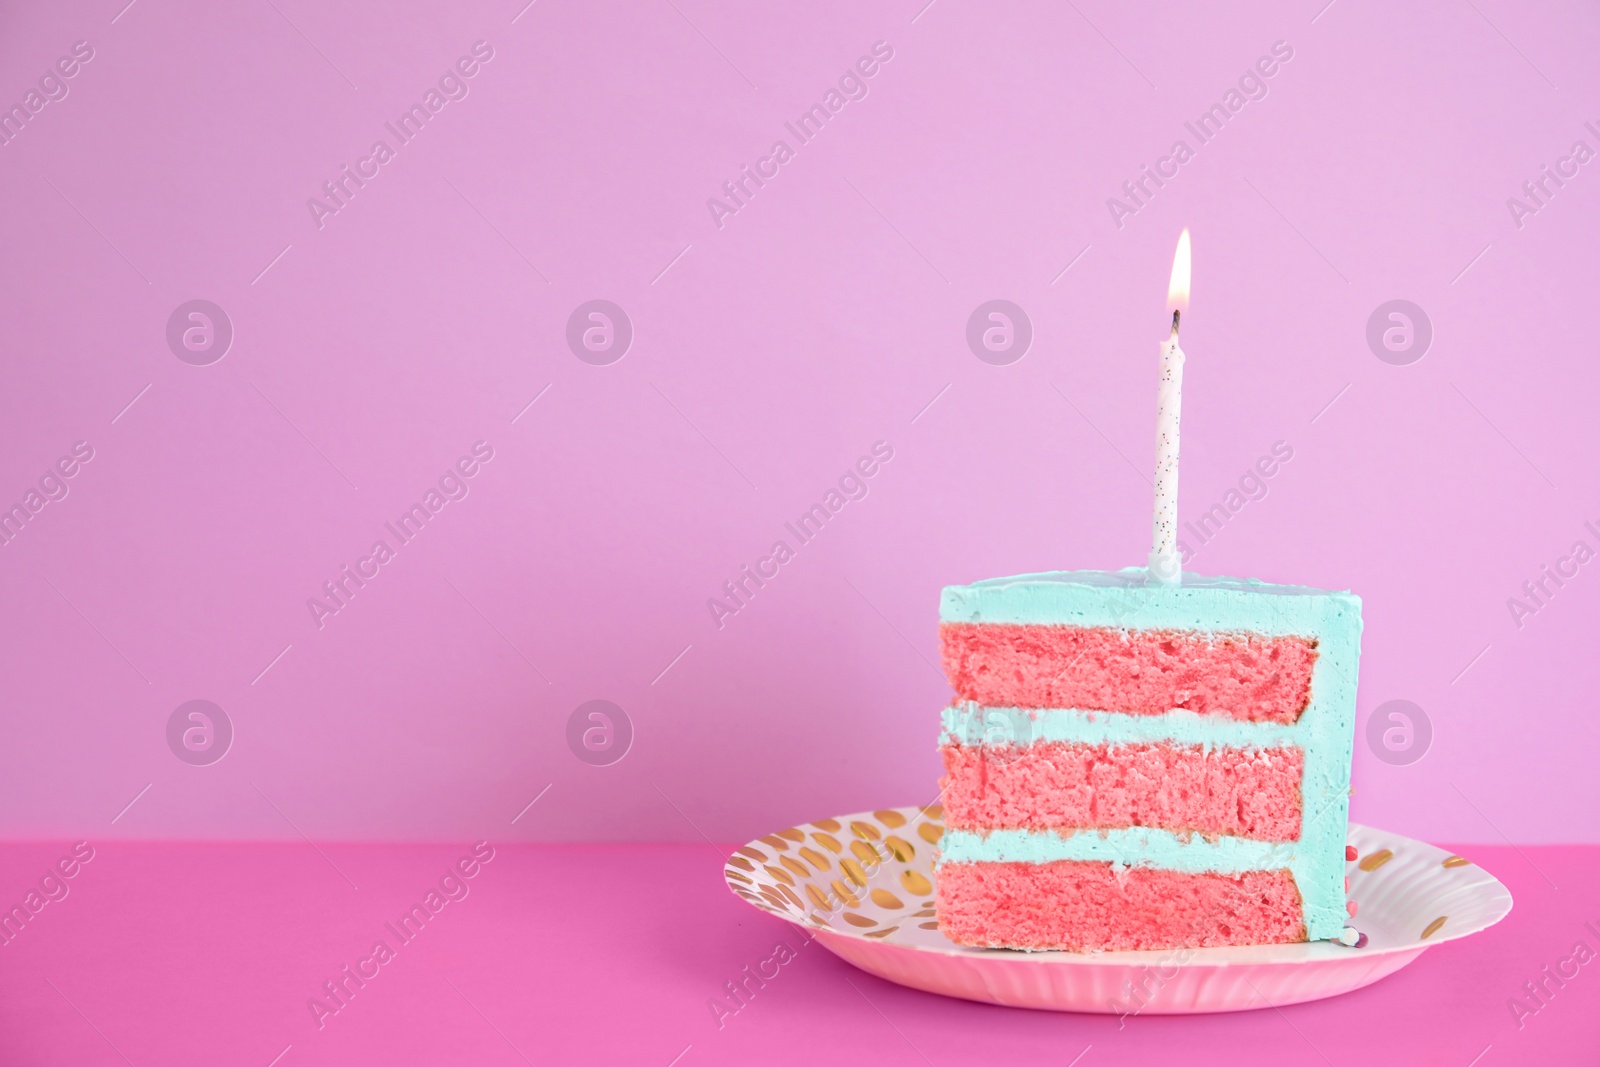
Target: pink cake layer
(1138, 672)
(1085, 906)
(1054, 784)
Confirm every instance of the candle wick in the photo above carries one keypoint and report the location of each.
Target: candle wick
(1175, 314)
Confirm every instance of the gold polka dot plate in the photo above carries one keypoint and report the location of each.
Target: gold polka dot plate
(863, 884)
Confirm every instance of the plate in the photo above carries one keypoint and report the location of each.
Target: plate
(863, 886)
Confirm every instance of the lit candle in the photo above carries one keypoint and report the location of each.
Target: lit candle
(1165, 566)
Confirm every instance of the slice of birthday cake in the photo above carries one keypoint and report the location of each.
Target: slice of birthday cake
(1131, 765)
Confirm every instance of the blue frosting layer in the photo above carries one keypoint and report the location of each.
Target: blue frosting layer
(1133, 847)
(1126, 600)
(970, 723)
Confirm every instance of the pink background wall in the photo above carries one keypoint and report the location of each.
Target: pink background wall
(769, 353)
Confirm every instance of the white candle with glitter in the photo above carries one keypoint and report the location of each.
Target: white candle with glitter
(1165, 566)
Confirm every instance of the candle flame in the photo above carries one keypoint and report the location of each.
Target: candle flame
(1178, 291)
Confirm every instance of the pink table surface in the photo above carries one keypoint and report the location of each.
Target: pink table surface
(209, 953)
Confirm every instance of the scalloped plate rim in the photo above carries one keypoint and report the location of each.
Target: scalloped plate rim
(1216, 957)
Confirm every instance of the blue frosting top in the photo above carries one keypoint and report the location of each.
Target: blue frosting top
(1127, 599)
